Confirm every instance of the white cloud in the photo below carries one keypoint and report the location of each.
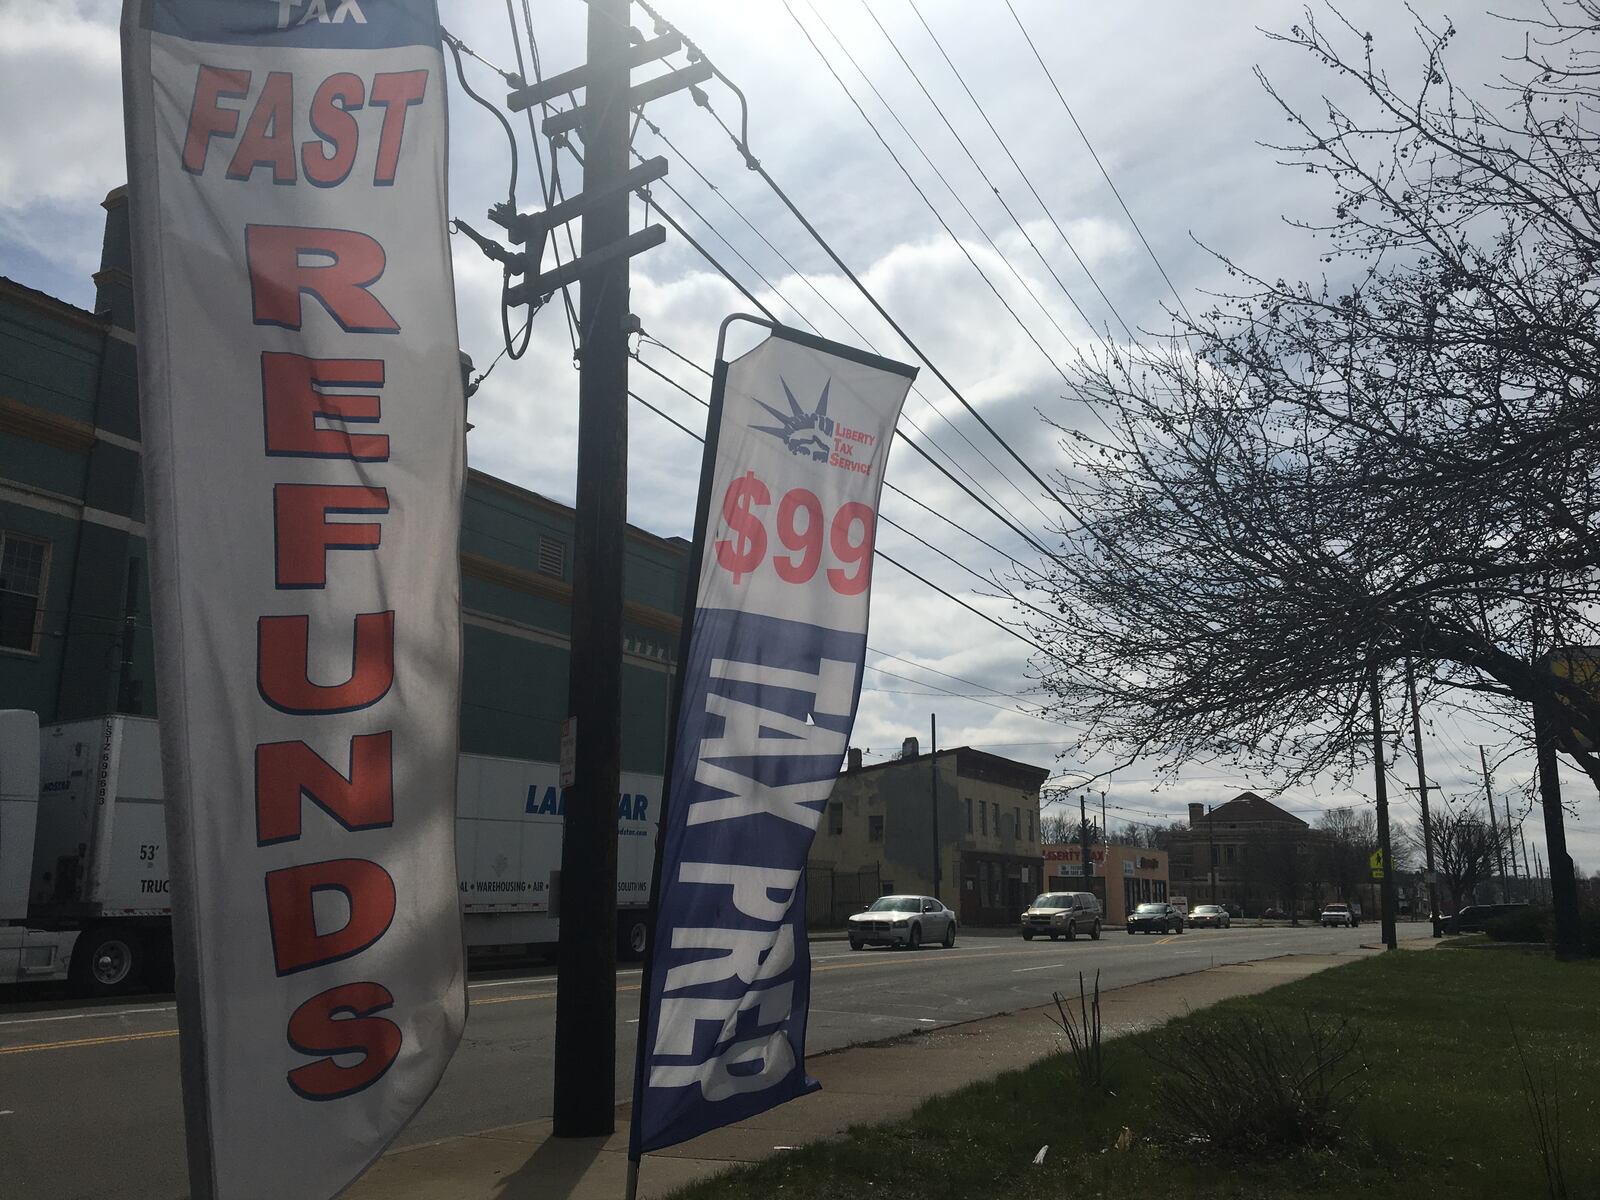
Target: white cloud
(61, 93)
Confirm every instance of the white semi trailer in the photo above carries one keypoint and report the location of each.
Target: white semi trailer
(83, 855)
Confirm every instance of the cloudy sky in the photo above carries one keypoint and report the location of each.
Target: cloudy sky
(1164, 90)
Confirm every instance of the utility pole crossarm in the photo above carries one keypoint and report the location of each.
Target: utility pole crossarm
(652, 89)
(571, 81)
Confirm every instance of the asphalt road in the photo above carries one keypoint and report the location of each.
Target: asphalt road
(89, 1099)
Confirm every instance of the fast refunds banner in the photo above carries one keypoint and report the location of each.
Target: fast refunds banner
(303, 438)
(801, 430)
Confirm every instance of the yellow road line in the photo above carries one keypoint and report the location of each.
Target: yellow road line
(29, 1047)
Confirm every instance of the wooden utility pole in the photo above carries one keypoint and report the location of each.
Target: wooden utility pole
(586, 986)
(1499, 846)
(1211, 852)
(1386, 891)
(1422, 790)
(1563, 884)
(1083, 833)
(933, 797)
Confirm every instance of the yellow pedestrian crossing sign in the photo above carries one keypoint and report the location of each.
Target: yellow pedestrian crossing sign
(1376, 863)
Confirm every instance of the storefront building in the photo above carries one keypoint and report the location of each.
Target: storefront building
(1123, 877)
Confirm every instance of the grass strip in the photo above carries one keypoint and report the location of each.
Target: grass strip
(1444, 1110)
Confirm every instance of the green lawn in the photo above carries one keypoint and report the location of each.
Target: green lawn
(1443, 1114)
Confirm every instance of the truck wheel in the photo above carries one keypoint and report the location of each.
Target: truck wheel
(107, 961)
(633, 937)
(1094, 934)
(1027, 935)
(1072, 931)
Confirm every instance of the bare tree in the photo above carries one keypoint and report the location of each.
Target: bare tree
(1313, 482)
(1343, 854)
(1466, 846)
(1058, 828)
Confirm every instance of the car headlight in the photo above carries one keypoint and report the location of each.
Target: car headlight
(903, 921)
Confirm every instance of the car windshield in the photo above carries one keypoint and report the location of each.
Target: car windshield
(896, 904)
(1048, 901)
(1208, 909)
(1152, 908)
(1337, 908)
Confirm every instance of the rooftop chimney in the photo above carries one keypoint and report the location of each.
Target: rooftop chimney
(1197, 814)
(908, 748)
(854, 759)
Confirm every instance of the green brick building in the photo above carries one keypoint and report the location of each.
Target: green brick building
(74, 603)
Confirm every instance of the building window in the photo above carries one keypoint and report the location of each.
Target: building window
(1227, 854)
(24, 565)
(1016, 822)
(983, 817)
(875, 829)
(1030, 825)
(552, 557)
(969, 814)
(888, 887)
(835, 818)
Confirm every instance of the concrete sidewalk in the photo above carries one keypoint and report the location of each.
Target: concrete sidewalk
(861, 1085)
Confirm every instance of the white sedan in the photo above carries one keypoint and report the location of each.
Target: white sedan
(909, 921)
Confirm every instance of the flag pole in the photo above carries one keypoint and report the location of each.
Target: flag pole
(702, 520)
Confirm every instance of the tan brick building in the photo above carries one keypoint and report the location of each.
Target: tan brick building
(878, 833)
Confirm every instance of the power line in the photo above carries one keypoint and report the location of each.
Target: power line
(849, 324)
(740, 143)
(823, 21)
(1126, 212)
(553, 185)
(917, 187)
(1042, 205)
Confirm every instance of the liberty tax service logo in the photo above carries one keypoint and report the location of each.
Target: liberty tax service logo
(808, 434)
(818, 437)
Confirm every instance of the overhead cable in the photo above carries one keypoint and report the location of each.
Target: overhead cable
(1042, 205)
(1090, 147)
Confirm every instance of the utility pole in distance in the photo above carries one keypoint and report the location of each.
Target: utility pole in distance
(1386, 891)
(1211, 837)
(1500, 846)
(1423, 787)
(586, 986)
(1083, 832)
(933, 797)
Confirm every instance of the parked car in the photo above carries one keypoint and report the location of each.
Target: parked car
(909, 921)
(1156, 918)
(1062, 914)
(1339, 914)
(1213, 915)
(1472, 917)
(1274, 914)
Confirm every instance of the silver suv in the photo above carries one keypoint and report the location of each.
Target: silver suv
(1062, 914)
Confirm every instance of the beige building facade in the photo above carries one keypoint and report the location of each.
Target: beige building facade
(1124, 877)
(878, 832)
